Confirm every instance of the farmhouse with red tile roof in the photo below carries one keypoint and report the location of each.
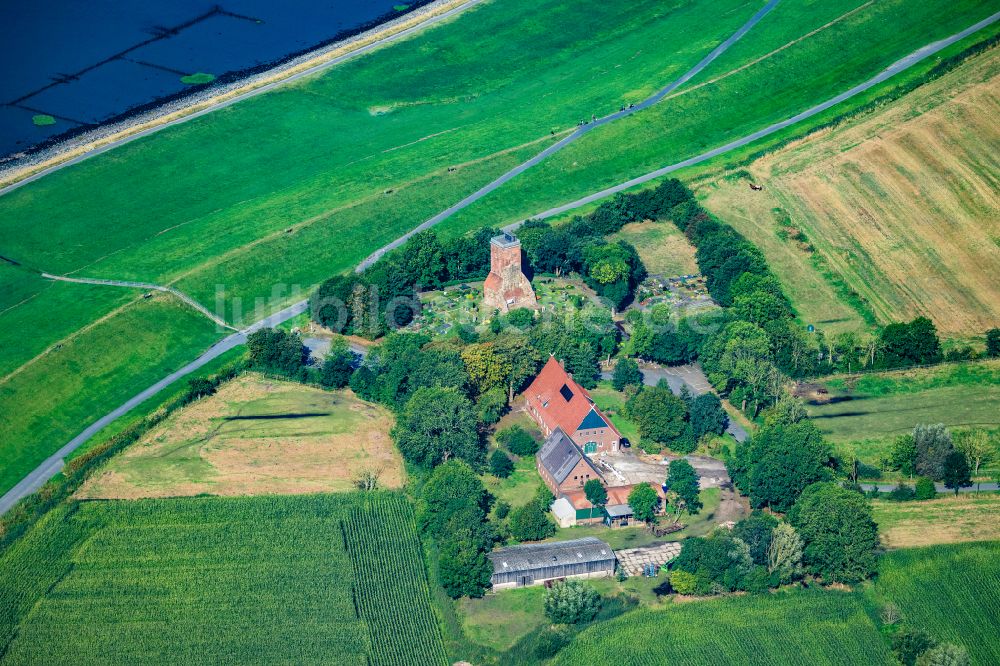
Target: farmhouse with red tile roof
(554, 400)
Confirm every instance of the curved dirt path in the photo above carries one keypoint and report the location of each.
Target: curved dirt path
(146, 285)
(53, 464)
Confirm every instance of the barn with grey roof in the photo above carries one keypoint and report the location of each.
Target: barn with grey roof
(562, 464)
(531, 564)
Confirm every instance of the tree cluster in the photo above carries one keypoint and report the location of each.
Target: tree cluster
(383, 297)
(612, 269)
(915, 647)
(930, 452)
(452, 508)
(779, 462)
(277, 351)
(571, 602)
(665, 420)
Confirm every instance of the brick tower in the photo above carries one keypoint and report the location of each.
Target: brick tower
(506, 287)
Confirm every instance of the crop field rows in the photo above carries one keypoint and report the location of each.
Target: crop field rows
(902, 206)
(209, 580)
(952, 592)
(789, 628)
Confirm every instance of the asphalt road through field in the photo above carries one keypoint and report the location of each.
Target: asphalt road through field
(556, 147)
(51, 466)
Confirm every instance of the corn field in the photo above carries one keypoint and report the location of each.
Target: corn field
(391, 584)
(219, 580)
(806, 627)
(952, 591)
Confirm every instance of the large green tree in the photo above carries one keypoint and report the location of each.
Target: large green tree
(956, 471)
(708, 416)
(626, 373)
(437, 424)
(660, 417)
(530, 522)
(683, 492)
(776, 465)
(644, 502)
(840, 536)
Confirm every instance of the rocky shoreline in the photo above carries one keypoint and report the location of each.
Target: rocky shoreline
(143, 120)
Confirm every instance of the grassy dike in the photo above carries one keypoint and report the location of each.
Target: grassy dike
(291, 186)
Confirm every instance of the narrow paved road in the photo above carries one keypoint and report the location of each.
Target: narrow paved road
(691, 376)
(145, 285)
(402, 34)
(584, 129)
(53, 464)
(893, 69)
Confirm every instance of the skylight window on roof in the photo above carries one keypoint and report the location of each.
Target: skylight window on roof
(566, 393)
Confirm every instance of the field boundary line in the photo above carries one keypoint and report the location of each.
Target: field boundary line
(66, 340)
(781, 48)
(897, 67)
(34, 480)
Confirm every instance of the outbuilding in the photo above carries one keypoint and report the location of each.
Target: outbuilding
(535, 563)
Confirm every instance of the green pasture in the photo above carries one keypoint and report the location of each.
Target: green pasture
(305, 580)
(789, 81)
(37, 313)
(952, 592)
(806, 627)
(867, 413)
(51, 400)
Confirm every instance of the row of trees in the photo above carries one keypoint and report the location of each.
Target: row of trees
(384, 297)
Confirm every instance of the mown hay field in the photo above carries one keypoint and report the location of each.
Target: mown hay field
(256, 436)
(903, 207)
(662, 247)
(948, 519)
(221, 580)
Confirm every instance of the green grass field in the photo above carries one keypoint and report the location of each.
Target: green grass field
(314, 579)
(52, 399)
(874, 409)
(343, 162)
(950, 591)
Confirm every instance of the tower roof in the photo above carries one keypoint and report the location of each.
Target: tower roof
(506, 240)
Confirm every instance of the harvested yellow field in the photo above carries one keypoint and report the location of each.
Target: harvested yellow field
(901, 206)
(256, 436)
(968, 517)
(662, 247)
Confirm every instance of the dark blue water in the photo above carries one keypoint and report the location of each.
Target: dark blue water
(84, 63)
